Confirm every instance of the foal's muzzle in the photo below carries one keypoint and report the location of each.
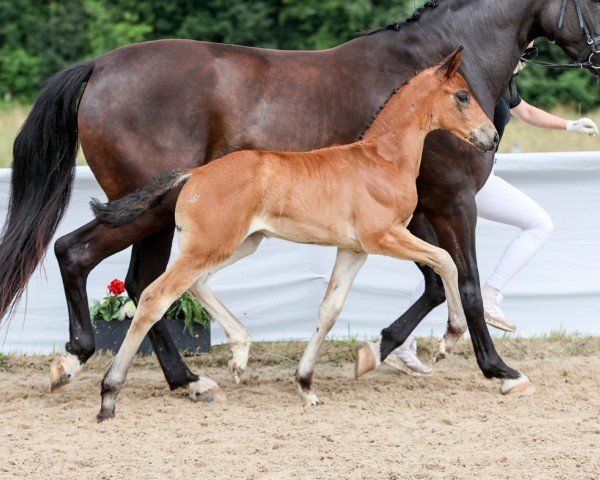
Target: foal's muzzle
(485, 138)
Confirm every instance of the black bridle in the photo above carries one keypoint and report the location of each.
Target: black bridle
(590, 56)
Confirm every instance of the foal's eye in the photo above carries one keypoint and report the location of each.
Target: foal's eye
(462, 97)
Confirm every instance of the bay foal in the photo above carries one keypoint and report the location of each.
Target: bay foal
(358, 197)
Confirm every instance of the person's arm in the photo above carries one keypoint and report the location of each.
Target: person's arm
(539, 118)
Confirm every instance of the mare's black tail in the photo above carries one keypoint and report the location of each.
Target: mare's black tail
(44, 155)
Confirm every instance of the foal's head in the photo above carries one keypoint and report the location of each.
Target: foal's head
(454, 108)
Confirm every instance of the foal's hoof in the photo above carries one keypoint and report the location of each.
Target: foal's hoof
(105, 415)
(63, 371)
(235, 370)
(439, 356)
(367, 359)
(517, 386)
(310, 399)
(207, 391)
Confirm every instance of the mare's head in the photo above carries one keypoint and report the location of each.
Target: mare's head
(574, 25)
(454, 108)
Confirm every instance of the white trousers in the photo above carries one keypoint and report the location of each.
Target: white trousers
(500, 202)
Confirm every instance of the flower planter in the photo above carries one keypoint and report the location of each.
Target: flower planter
(110, 336)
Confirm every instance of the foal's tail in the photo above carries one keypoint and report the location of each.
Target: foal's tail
(43, 167)
(124, 210)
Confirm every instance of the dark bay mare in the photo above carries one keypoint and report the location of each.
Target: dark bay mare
(162, 105)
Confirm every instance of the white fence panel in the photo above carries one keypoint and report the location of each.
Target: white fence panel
(276, 291)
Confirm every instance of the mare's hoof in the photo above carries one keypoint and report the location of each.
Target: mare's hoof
(207, 391)
(211, 395)
(366, 360)
(63, 371)
(58, 376)
(517, 386)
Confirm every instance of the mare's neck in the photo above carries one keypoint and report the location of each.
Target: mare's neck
(494, 34)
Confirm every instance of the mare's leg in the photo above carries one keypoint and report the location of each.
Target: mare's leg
(149, 258)
(154, 302)
(238, 336)
(78, 253)
(455, 231)
(347, 265)
(400, 243)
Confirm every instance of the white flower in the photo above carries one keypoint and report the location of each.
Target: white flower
(121, 315)
(128, 309)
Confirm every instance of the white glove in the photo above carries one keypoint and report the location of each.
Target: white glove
(583, 126)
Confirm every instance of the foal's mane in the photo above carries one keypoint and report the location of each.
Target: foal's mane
(373, 117)
(398, 24)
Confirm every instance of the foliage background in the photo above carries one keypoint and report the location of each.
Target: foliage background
(40, 37)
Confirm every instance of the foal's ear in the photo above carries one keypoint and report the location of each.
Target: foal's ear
(449, 67)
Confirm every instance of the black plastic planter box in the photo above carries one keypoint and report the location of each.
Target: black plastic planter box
(110, 336)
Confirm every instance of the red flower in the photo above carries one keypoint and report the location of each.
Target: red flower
(116, 287)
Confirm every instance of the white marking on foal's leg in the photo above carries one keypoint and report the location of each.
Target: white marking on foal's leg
(206, 390)
(63, 370)
(457, 321)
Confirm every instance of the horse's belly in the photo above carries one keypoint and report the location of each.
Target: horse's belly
(318, 232)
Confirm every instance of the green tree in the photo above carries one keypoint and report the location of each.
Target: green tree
(20, 74)
(37, 38)
(111, 25)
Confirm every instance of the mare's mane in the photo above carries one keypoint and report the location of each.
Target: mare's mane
(398, 24)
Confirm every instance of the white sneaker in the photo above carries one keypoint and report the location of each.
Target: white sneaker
(493, 313)
(406, 360)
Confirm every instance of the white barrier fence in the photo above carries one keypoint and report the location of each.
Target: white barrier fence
(276, 291)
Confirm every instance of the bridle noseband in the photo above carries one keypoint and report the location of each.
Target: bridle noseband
(590, 56)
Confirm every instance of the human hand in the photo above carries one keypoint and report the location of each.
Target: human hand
(583, 126)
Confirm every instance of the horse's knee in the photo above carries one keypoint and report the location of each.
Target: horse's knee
(151, 307)
(71, 257)
(470, 293)
(445, 266)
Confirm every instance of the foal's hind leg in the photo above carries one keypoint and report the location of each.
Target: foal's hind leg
(347, 265)
(149, 258)
(238, 336)
(154, 302)
(400, 243)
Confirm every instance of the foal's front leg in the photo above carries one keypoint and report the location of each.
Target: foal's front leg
(400, 243)
(347, 265)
